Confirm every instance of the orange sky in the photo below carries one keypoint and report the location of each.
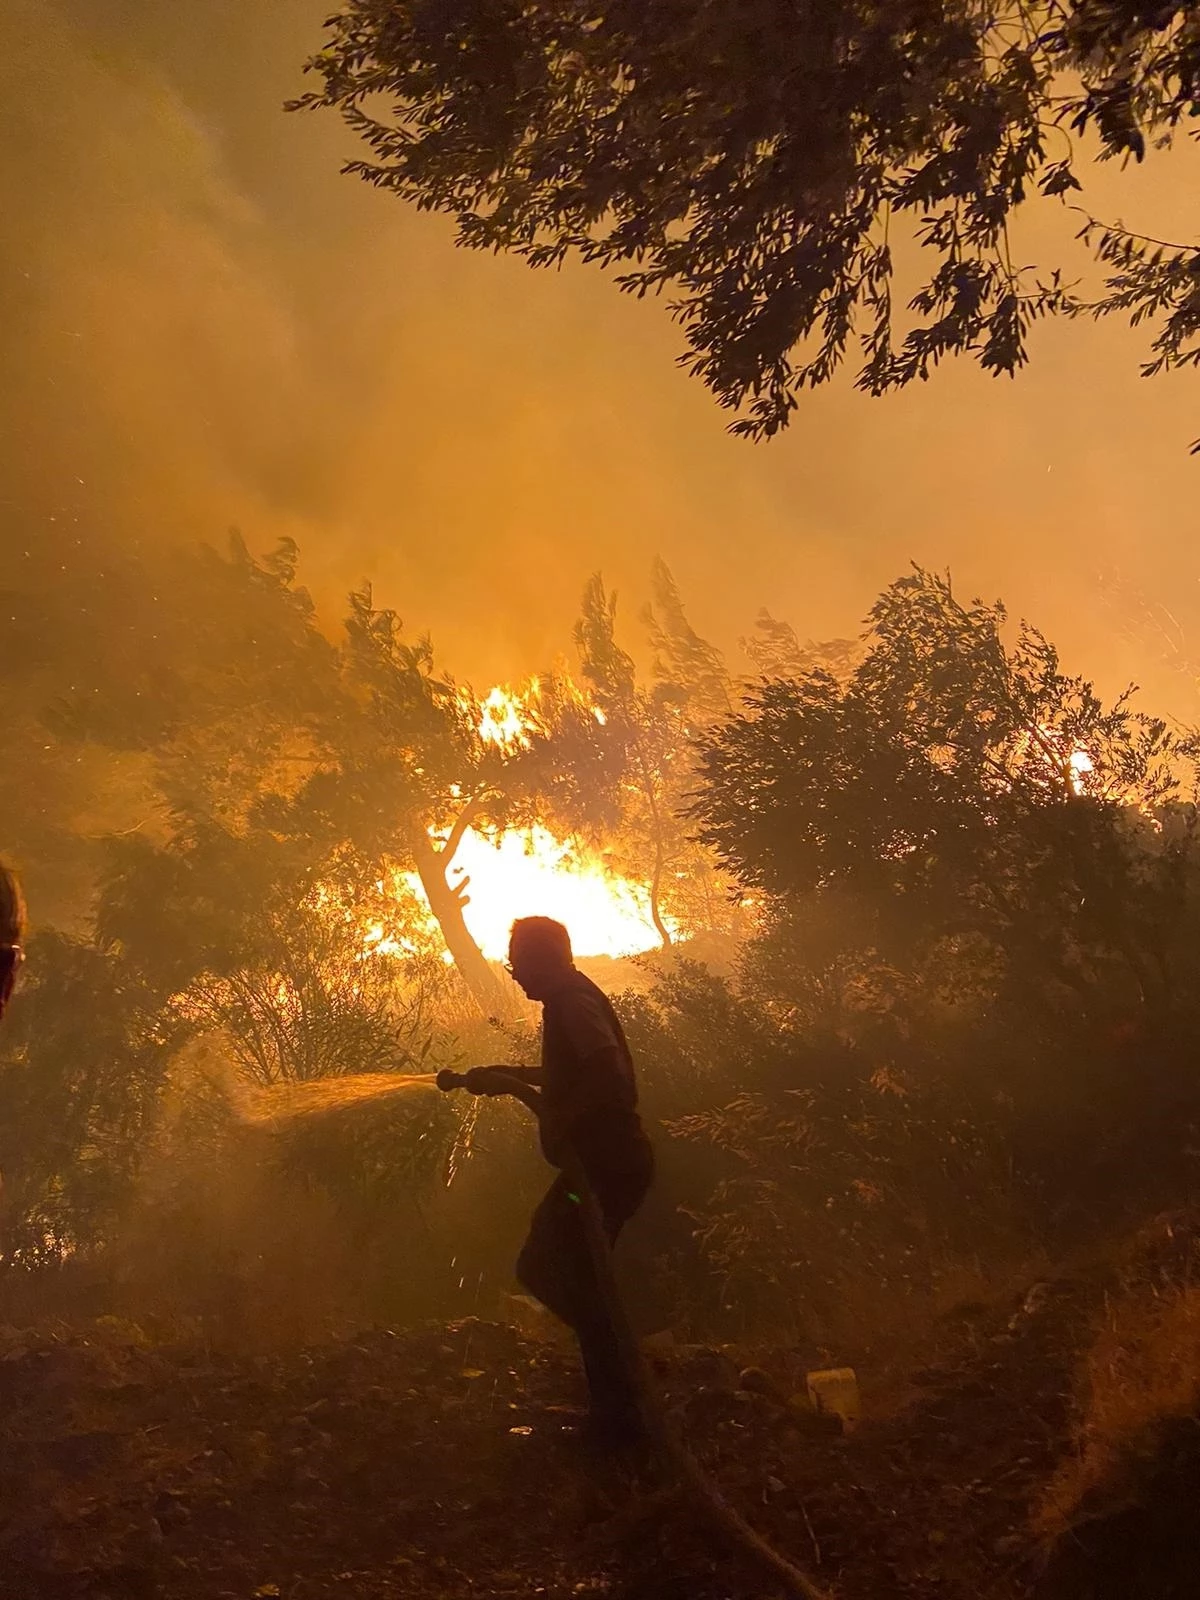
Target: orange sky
(205, 324)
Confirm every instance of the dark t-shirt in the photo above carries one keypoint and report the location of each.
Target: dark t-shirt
(579, 1064)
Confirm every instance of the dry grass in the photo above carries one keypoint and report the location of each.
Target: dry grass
(1141, 1372)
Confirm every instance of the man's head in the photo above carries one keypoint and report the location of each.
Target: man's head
(12, 931)
(539, 955)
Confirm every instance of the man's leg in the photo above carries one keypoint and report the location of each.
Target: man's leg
(556, 1268)
(553, 1265)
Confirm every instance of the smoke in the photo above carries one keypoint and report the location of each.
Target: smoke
(205, 324)
(153, 379)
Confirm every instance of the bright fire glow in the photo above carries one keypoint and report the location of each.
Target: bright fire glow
(377, 941)
(503, 716)
(534, 874)
(530, 872)
(1052, 749)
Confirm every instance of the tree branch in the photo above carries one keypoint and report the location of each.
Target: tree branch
(457, 833)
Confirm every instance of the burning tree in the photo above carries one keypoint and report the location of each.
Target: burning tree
(308, 964)
(405, 771)
(614, 757)
(240, 707)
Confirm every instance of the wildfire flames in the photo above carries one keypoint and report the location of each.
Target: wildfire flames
(531, 872)
(503, 717)
(535, 874)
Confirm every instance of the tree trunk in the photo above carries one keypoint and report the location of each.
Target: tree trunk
(446, 904)
(660, 927)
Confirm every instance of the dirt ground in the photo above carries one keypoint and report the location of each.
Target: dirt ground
(444, 1462)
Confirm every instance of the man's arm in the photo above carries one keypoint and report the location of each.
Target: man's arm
(482, 1080)
(531, 1075)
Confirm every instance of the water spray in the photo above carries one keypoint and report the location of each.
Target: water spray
(287, 1102)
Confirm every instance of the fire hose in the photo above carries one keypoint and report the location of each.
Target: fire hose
(667, 1444)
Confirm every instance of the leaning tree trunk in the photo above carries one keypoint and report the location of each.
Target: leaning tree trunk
(660, 927)
(446, 903)
(656, 877)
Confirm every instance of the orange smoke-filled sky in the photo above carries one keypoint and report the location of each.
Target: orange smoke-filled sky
(205, 324)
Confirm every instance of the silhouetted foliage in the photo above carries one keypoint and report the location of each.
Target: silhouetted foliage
(776, 652)
(309, 965)
(765, 163)
(83, 1052)
(966, 1019)
(955, 787)
(820, 1173)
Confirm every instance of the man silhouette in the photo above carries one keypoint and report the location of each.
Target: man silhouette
(589, 1103)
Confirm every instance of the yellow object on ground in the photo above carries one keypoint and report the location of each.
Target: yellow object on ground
(835, 1390)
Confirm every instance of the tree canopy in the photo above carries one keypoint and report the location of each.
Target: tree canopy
(611, 757)
(763, 160)
(958, 786)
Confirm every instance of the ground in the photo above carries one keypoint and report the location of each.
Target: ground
(443, 1462)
